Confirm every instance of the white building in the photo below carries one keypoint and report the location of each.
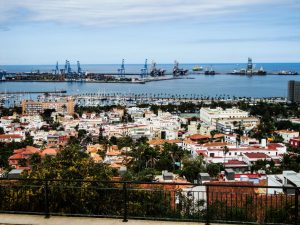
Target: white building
(228, 126)
(287, 134)
(211, 116)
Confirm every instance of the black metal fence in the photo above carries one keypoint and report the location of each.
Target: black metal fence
(161, 201)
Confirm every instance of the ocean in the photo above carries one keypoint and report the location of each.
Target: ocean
(205, 85)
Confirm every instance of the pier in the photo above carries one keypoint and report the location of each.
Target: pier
(33, 92)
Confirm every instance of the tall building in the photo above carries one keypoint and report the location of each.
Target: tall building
(35, 107)
(294, 91)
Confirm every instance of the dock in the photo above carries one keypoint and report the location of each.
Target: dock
(33, 92)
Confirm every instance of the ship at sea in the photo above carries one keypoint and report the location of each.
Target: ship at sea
(197, 68)
(250, 70)
(209, 71)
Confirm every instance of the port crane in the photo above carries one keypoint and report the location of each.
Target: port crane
(80, 72)
(144, 70)
(56, 69)
(68, 70)
(121, 71)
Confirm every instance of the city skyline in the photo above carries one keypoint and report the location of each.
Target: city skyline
(43, 32)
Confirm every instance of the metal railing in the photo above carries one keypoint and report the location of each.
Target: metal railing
(226, 203)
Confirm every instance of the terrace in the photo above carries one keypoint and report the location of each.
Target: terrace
(239, 202)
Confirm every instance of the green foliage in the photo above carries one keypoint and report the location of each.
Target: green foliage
(81, 134)
(22, 162)
(96, 109)
(214, 169)
(125, 141)
(267, 165)
(291, 162)
(10, 111)
(70, 163)
(192, 167)
(46, 115)
(113, 140)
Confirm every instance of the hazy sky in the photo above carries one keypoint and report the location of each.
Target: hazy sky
(105, 31)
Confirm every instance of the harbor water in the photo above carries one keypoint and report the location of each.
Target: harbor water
(205, 85)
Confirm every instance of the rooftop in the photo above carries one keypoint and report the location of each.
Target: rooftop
(258, 155)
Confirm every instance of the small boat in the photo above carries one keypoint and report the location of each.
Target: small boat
(197, 68)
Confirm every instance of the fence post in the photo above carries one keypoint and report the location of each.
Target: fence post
(296, 205)
(125, 202)
(207, 205)
(46, 199)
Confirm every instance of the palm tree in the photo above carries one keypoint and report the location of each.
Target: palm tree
(225, 151)
(212, 134)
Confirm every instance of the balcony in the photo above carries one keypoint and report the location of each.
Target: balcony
(212, 203)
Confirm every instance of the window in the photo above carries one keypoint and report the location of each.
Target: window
(212, 154)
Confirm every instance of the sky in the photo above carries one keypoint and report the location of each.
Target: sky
(191, 31)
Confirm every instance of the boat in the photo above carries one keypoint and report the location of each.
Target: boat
(261, 71)
(283, 72)
(209, 71)
(197, 68)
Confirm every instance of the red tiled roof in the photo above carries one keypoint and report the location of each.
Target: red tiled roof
(16, 157)
(235, 162)
(200, 136)
(49, 151)
(5, 136)
(257, 155)
(162, 141)
(251, 175)
(274, 146)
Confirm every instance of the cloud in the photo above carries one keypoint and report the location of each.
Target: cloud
(3, 28)
(293, 38)
(118, 12)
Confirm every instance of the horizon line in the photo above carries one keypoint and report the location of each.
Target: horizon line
(244, 62)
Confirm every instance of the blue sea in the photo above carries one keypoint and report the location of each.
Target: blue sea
(220, 84)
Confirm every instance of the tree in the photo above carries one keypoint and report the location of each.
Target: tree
(125, 141)
(192, 167)
(35, 160)
(22, 162)
(113, 140)
(46, 115)
(212, 134)
(277, 138)
(81, 134)
(225, 151)
(214, 169)
(70, 163)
